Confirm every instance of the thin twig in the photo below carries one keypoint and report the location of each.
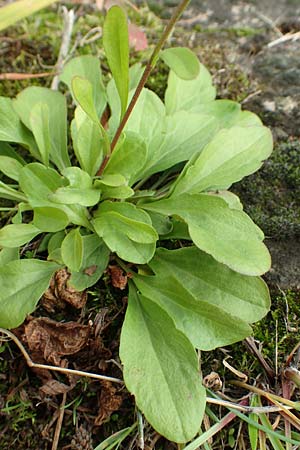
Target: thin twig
(59, 422)
(24, 76)
(32, 364)
(247, 409)
(68, 19)
(285, 38)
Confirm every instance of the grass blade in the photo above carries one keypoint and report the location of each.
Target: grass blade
(18, 10)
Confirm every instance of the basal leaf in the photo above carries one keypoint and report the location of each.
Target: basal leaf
(210, 303)
(87, 142)
(40, 126)
(228, 235)
(86, 66)
(226, 112)
(186, 94)
(25, 103)
(23, 282)
(146, 120)
(126, 230)
(227, 158)
(115, 192)
(10, 193)
(72, 196)
(111, 180)
(13, 130)
(7, 150)
(83, 93)
(94, 262)
(182, 61)
(72, 250)
(77, 178)
(161, 370)
(15, 235)
(135, 74)
(79, 191)
(128, 158)
(116, 47)
(50, 219)
(10, 167)
(39, 182)
(185, 134)
(8, 254)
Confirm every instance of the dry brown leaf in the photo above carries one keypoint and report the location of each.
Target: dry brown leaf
(109, 402)
(118, 279)
(60, 293)
(54, 387)
(213, 381)
(53, 339)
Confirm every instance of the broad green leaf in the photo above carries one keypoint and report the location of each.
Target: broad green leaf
(161, 370)
(50, 219)
(55, 241)
(94, 262)
(185, 134)
(182, 61)
(135, 74)
(7, 150)
(186, 94)
(128, 158)
(228, 235)
(9, 254)
(86, 66)
(83, 92)
(210, 303)
(72, 196)
(15, 235)
(39, 182)
(126, 230)
(179, 230)
(54, 247)
(12, 13)
(13, 130)
(10, 193)
(248, 119)
(115, 192)
(113, 186)
(10, 167)
(87, 141)
(23, 282)
(78, 178)
(20, 208)
(116, 47)
(146, 120)
(72, 250)
(230, 198)
(40, 126)
(226, 112)
(231, 155)
(161, 223)
(79, 191)
(25, 103)
(113, 180)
